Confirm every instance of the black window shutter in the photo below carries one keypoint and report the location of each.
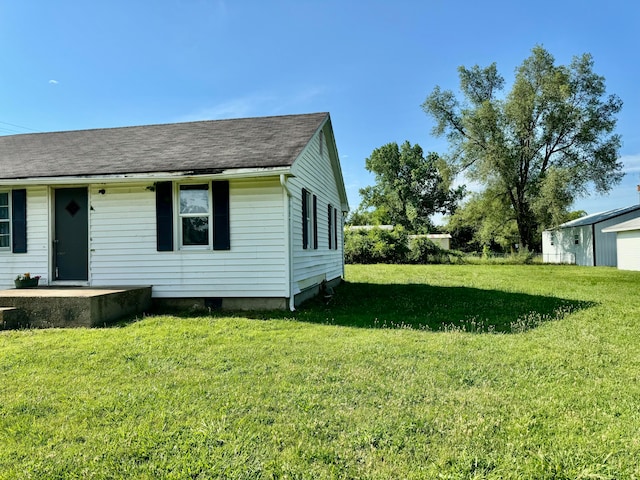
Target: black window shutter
(305, 220)
(315, 222)
(330, 225)
(164, 216)
(19, 220)
(335, 227)
(221, 229)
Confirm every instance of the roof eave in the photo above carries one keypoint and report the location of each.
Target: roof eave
(150, 176)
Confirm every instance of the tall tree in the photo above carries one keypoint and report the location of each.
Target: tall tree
(410, 187)
(490, 220)
(537, 149)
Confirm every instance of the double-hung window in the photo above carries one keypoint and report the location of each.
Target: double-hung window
(195, 215)
(309, 220)
(198, 211)
(5, 221)
(332, 224)
(13, 221)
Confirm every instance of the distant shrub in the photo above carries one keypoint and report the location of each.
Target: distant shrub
(423, 250)
(376, 245)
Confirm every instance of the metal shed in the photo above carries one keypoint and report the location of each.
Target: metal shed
(584, 241)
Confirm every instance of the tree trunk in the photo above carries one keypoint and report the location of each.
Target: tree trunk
(526, 228)
(525, 222)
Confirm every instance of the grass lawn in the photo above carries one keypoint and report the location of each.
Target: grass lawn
(410, 372)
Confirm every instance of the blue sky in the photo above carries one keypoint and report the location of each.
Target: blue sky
(76, 65)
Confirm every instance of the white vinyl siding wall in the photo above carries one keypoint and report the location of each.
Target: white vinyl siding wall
(35, 261)
(123, 245)
(264, 223)
(564, 248)
(314, 172)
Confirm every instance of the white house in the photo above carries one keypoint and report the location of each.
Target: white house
(241, 213)
(628, 243)
(585, 241)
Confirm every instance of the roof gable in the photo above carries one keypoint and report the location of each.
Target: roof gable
(196, 147)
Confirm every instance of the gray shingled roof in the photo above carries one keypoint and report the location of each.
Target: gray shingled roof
(199, 147)
(599, 217)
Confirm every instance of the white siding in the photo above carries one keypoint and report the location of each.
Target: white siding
(315, 173)
(629, 250)
(122, 236)
(584, 250)
(123, 245)
(35, 261)
(559, 246)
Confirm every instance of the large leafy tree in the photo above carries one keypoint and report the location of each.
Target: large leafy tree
(539, 147)
(410, 187)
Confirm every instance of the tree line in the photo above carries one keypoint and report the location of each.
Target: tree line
(530, 152)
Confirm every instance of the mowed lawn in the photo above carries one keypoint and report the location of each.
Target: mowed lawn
(409, 372)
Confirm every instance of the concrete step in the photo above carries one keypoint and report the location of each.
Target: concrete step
(61, 307)
(11, 318)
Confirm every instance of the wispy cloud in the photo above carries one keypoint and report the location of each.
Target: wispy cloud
(259, 104)
(631, 163)
(53, 82)
(305, 96)
(248, 106)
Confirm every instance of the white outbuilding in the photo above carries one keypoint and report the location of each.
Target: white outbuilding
(627, 243)
(587, 241)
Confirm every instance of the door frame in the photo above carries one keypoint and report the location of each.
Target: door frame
(52, 237)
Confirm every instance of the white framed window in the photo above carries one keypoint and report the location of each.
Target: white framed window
(194, 215)
(321, 142)
(5, 221)
(576, 239)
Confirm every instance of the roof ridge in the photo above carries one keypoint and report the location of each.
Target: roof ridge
(168, 124)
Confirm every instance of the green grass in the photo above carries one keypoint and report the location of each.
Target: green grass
(402, 375)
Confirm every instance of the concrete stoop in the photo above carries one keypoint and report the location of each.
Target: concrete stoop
(71, 307)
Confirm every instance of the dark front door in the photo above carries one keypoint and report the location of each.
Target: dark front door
(71, 235)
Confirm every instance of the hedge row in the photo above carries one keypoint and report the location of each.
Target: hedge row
(376, 245)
